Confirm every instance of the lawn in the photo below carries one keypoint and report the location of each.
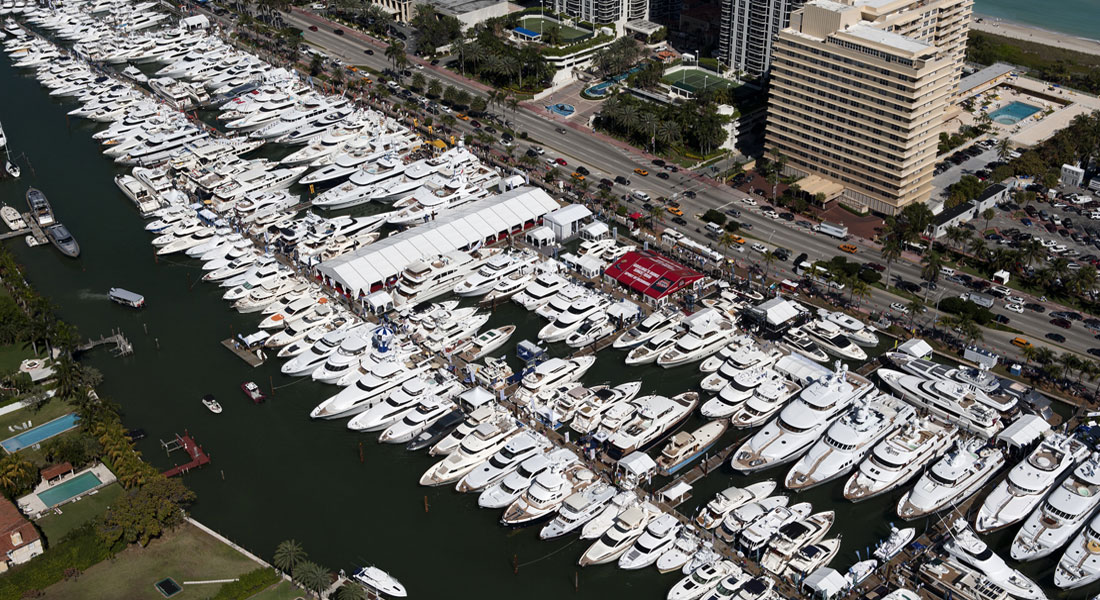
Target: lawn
(13, 354)
(284, 591)
(75, 514)
(186, 554)
(48, 411)
(568, 34)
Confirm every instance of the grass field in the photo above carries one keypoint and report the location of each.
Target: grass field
(53, 408)
(186, 554)
(284, 591)
(568, 34)
(75, 514)
(697, 80)
(13, 354)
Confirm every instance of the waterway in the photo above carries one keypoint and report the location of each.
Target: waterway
(1079, 18)
(275, 473)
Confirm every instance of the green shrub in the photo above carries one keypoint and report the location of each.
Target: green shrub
(249, 584)
(957, 306)
(714, 216)
(870, 276)
(79, 550)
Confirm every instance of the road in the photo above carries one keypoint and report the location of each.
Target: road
(579, 146)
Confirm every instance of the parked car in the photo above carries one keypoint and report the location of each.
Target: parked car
(1063, 323)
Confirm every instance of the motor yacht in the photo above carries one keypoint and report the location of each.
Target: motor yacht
(706, 332)
(897, 541)
(993, 393)
(427, 411)
(506, 460)
(322, 317)
(628, 527)
(476, 448)
(731, 499)
(1029, 482)
(798, 425)
(745, 356)
(648, 352)
(547, 493)
(856, 330)
(685, 547)
(484, 413)
(378, 580)
(571, 319)
(311, 359)
(848, 440)
(899, 456)
(484, 343)
(754, 538)
(603, 521)
(561, 301)
(947, 398)
(792, 537)
(686, 446)
(796, 340)
(811, 558)
(425, 279)
(404, 399)
(495, 269)
(965, 546)
(699, 582)
(1080, 563)
(540, 291)
(741, 387)
(587, 416)
(654, 417)
(579, 508)
(508, 286)
(450, 335)
(594, 328)
(368, 391)
(504, 492)
(740, 517)
(1061, 514)
(655, 323)
(952, 479)
(833, 340)
(551, 373)
(659, 536)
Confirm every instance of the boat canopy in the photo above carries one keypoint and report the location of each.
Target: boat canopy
(126, 296)
(1024, 431)
(638, 465)
(825, 583)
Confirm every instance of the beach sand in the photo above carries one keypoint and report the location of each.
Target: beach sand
(1034, 34)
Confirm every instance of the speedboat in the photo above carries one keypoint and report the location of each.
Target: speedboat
(506, 460)
(658, 321)
(1062, 513)
(1029, 482)
(61, 239)
(800, 423)
(731, 499)
(578, 509)
(898, 457)
(952, 479)
(686, 446)
(966, 547)
(628, 527)
(848, 440)
(659, 536)
(381, 581)
(696, 584)
(653, 418)
(476, 448)
(547, 493)
(210, 403)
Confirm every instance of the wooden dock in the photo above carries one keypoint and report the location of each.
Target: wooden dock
(14, 234)
(187, 443)
(35, 229)
(123, 347)
(251, 357)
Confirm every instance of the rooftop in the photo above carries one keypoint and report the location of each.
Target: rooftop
(886, 38)
(12, 522)
(947, 214)
(984, 76)
(461, 7)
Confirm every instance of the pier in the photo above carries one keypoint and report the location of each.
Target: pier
(697, 472)
(123, 347)
(253, 358)
(186, 443)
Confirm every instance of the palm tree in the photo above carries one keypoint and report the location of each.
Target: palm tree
(1030, 252)
(859, 289)
(914, 307)
(647, 126)
(16, 473)
(351, 591)
(726, 240)
(1082, 280)
(656, 213)
(969, 330)
(1004, 148)
(1071, 363)
(977, 251)
(668, 133)
(988, 215)
(930, 272)
(954, 235)
(891, 251)
(288, 554)
(395, 52)
(312, 576)
(513, 104)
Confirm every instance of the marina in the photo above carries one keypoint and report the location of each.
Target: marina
(276, 461)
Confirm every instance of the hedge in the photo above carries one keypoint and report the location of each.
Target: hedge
(79, 550)
(578, 47)
(958, 306)
(249, 584)
(714, 216)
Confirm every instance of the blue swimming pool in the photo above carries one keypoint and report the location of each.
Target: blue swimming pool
(70, 489)
(562, 109)
(1013, 113)
(40, 433)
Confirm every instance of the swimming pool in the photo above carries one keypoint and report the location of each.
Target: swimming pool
(562, 109)
(40, 433)
(69, 489)
(1013, 113)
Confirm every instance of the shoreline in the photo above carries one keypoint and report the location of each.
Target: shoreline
(1030, 33)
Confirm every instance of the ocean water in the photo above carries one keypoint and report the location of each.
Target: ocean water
(1079, 18)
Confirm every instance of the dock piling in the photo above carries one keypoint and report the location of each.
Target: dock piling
(425, 504)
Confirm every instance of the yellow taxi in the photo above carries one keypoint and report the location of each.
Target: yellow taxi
(676, 211)
(849, 248)
(577, 176)
(641, 171)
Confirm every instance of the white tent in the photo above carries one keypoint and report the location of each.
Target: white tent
(638, 465)
(566, 221)
(539, 236)
(475, 397)
(1024, 431)
(825, 583)
(596, 230)
(195, 22)
(916, 347)
(379, 302)
(677, 491)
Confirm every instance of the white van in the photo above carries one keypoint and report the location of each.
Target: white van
(714, 228)
(947, 271)
(640, 195)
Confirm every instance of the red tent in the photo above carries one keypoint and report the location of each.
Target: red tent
(651, 274)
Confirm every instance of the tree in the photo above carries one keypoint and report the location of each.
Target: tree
(930, 272)
(418, 81)
(395, 52)
(914, 307)
(312, 576)
(859, 289)
(450, 95)
(17, 475)
(352, 591)
(316, 64)
(988, 215)
(287, 555)
(1082, 280)
(145, 512)
(916, 218)
(435, 88)
(478, 105)
(891, 251)
(1004, 148)
(1071, 363)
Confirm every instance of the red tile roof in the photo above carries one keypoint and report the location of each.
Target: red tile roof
(12, 521)
(56, 471)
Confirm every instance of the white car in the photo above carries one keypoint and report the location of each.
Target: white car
(749, 201)
(1015, 300)
(898, 306)
(771, 214)
(553, 162)
(761, 248)
(1016, 308)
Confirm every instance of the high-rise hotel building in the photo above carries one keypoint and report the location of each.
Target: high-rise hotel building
(860, 91)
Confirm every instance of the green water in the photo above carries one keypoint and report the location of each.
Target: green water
(275, 473)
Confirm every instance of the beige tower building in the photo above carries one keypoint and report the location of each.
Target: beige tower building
(860, 91)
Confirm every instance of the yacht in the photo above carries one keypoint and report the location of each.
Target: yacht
(686, 446)
(507, 287)
(540, 291)
(977, 378)
(948, 399)
(1064, 511)
(41, 211)
(799, 424)
(547, 493)
(484, 343)
(449, 335)
(1080, 564)
(731, 499)
(594, 328)
(856, 330)
(579, 508)
(485, 413)
(699, 582)
(495, 269)
(587, 416)
(796, 340)
(311, 359)
(358, 188)
(848, 440)
(506, 460)
(897, 541)
(740, 387)
(754, 538)
(654, 347)
(659, 536)
(347, 355)
(425, 279)
(792, 537)
(745, 355)
(476, 448)
(628, 527)
(603, 521)
(1029, 482)
(502, 493)
(61, 239)
(551, 373)
(427, 411)
(898, 457)
(655, 323)
(654, 417)
(811, 558)
(402, 400)
(380, 581)
(707, 331)
(561, 301)
(966, 547)
(571, 319)
(369, 390)
(741, 517)
(952, 479)
(677, 557)
(833, 340)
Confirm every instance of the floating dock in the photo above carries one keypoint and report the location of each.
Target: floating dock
(249, 356)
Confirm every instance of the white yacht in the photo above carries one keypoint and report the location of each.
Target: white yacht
(506, 460)
(978, 378)
(492, 271)
(1080, 564)
(740, 387)
(628, 527)
(699, 582)
(848, 440)
(571, 319)
(686, 446)
(309, 360)
(486, 411)
(833, 340)
(369, 390)
(898, 457)
(551, 373)
(793, 536)
(948, 399)
(578, 509)
(359, 186)
(811, 558)
(654, 347)
(587, 416)
(427, 411)
(686, 546)
(799, 424)
(655, 323)
(952, 479)
(707, 332)
(1064, 511)
(856, 330)
(425, 279)
(653, 418)
(347, 355)
(402, 400)
(966, 547)
(731, 499)
(603, 521)
(504, 492)
(540, 291)
(740, 517)
(547, 493)
(659, 536)
(796, 340)
(754, 538)
(561, 301)
(476, 448)
(1029, 482)
(744, 355)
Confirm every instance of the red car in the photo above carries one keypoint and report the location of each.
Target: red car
(561, 161)
(313, 28)
(1063, 323)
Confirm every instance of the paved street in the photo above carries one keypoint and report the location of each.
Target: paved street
(608, 158)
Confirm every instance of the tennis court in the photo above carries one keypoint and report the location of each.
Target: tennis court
(693, 79)
(540, 24)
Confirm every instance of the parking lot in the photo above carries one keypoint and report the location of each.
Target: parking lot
(954, 171)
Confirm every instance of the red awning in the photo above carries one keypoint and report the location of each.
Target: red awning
(651, 274)
(635, 215)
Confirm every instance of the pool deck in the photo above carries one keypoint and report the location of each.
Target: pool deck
(32, 505)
